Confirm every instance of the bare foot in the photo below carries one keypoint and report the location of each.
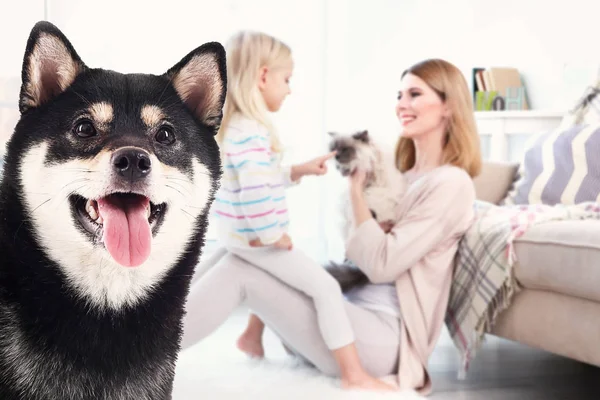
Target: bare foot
(366, 382)
(253, 347)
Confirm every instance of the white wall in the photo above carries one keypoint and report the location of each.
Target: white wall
(365, 45)
(349, 56)
(376, 40)
(16, 20)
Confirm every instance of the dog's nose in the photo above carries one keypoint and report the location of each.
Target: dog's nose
(132, 163)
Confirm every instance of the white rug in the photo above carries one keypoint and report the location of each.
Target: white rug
(215, 369)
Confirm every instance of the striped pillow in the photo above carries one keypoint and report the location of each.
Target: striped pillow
(560, 167)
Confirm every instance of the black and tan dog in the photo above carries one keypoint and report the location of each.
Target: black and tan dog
(104, 198)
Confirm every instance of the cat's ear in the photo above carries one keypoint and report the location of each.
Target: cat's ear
(363, 136)
(332, 134)
(50, 66)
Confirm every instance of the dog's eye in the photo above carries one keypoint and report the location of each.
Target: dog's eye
(84, 129)
(165, 135)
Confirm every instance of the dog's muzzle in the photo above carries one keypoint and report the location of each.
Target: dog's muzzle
(131, 163)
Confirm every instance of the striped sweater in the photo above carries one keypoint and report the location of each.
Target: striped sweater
(251, 202)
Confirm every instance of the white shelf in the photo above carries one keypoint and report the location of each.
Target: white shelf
(519, 114)
(505, 129)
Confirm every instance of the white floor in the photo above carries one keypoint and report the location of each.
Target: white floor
(215, 369)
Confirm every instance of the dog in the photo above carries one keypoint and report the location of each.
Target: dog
(104, 198)
(384, 188)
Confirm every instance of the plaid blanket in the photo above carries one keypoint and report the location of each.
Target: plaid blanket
(484, 281)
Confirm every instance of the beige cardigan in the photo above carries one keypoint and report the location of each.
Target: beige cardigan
(418, 255)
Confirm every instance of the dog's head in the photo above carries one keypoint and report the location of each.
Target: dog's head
(115, 172)
(355, 150)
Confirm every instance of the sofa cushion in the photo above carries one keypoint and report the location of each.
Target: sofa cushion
(494, 180)
(560, 167)
(564, 325)
(561, 256)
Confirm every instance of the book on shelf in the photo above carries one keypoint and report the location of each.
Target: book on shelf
(498, 89)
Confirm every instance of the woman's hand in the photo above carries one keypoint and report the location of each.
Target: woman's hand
(357, 180)
(386, 226)
(360, 207)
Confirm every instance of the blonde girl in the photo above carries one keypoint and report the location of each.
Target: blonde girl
(251, 203)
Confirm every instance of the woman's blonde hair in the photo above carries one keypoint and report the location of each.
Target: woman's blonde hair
(462, 147)
(247, 53)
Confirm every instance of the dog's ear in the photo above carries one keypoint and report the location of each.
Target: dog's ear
(50, 66)
(200, 80)
(362, 136)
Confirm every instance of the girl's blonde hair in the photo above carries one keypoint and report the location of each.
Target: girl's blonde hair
(247, 53)
(462, 147)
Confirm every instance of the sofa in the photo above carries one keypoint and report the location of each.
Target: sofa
(558, 268)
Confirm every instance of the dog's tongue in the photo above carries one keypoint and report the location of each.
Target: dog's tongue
(127, 234)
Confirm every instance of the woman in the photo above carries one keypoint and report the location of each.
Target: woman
(398, 317)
